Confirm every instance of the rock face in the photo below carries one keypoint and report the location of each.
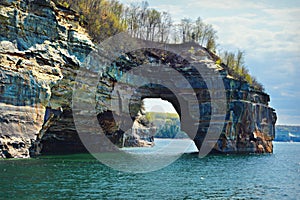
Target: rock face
(42, 47)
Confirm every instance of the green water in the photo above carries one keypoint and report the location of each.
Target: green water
(274, 176)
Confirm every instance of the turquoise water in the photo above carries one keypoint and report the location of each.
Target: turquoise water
(274, 176)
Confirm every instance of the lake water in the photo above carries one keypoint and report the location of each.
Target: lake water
(275, 176)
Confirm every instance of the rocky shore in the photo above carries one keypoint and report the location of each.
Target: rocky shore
(42, 47)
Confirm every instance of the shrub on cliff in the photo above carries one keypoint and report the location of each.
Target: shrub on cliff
(101, 18)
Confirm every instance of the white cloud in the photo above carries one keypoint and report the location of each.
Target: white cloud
(224, 5)
(290, 94)
(288, 116)
(176, 11)
(158, 105)
(281, 86)
(250, 33)
(288, 119)
(287, 13)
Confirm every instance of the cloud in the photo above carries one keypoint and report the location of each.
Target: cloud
(158, 105)
(251, 33)
(176, 11)
(286, 13)
(250, 25)
(224, 5)
(281, 86)
(288, 119)
(288, 116)
(289, 94)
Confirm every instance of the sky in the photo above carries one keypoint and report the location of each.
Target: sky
(268, 31)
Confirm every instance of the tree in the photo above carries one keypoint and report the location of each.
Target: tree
(153, 20)
(198, 29)
(164, 27)
(131, 19)
(186, 29)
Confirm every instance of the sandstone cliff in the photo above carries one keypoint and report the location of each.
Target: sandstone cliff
(40, 44)
(42, 47)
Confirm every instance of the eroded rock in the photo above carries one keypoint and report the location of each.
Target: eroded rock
(40, 45)
(14, 147)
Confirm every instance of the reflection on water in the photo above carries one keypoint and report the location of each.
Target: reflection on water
(147, 159)
(167, 146)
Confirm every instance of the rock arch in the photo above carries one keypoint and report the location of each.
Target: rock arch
(225, 122)
(44, 75)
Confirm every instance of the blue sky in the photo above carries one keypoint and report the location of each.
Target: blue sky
(269, 33)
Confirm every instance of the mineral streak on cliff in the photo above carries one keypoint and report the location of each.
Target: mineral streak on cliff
(42, 46)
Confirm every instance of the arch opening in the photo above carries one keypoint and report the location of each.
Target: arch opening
(159, 122)
(163, 116)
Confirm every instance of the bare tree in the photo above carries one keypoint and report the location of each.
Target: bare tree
(186, 29)
(198, 29)
(154, 18)
(240, 59)
(165, 26)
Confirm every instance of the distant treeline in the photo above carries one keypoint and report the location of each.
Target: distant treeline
(167, 124)
(105, 18)
(287, 133)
